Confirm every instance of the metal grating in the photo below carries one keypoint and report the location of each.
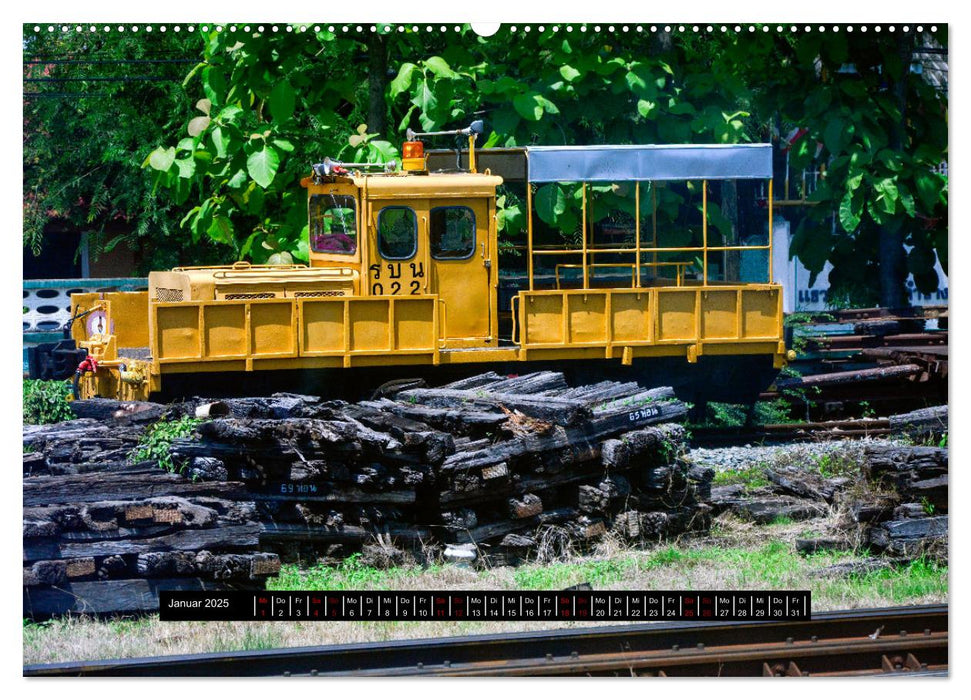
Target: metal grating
(312, 295)
(166, 294)
(251, 295)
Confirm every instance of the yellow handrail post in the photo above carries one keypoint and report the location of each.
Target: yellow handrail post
(704, 231)
(637, 230)
(529, 233)
(586, 277)
(770, 231)
(654, 226)
(472, 153)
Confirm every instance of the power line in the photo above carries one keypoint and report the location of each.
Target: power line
(107, 60)
(30, 95)
(127, 79)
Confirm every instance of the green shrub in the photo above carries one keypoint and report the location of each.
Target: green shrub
(46, 401)
(156, 441)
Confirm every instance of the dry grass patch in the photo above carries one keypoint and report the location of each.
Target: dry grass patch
(735, 555)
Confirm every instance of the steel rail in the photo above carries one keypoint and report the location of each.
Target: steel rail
(834, 638)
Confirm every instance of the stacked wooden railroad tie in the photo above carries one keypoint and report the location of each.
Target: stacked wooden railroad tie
(895, 501)
(489, 461)
(104, 536)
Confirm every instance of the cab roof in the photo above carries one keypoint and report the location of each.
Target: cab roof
(431, 185)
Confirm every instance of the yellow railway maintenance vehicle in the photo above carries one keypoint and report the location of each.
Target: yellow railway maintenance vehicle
(403, 281)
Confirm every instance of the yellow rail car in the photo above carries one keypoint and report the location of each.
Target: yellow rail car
(403, 275)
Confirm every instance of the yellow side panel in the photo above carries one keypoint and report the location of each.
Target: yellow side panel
(631, 317)
(718, 314)
(129, 318)
(544, 319)
(178, 332)
(369, 325)
(414, 324)
(323, 326)
(588, 318)
(760, 313)
(675, 315)
(271, 327)
(225, 329)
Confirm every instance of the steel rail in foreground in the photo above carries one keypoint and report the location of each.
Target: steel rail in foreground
(889, 640)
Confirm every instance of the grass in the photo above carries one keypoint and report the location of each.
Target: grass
(350, 574)
(735, 555)
(751, 478)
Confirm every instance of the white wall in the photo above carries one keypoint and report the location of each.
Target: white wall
(794, 277)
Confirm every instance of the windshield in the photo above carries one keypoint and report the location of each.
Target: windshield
(333, 224)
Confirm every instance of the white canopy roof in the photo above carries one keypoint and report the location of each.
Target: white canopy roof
(652, 162)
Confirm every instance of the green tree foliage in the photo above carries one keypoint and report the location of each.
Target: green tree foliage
(46, 402)
(260, 107)
(94, 105)
(882, 131)
(268, 105)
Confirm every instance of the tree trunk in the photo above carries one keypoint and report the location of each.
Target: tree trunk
(377, 118)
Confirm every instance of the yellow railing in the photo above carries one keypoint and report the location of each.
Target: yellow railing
(586, 250)
(681, 269)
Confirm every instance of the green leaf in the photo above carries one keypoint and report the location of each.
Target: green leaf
(441, 69)
(283, 145)
(426, 100)
(282, 101)
(262, 165)
(550, 202)
(228, 115)
(382, 151)
(510, 218)
(220, 139)
(812, 245)
(192, 212)
(244, 251)
(214, 84)
(528, 107)
(646, 108)
(162, 158)
(853, 183)
(636, 83)
(204, 105)
(850, 212)
(888, 191)
(569, 73)
(187, 167)
(220, 230)
(547, 106)
(237, 180)
(907, 201)
(834, 136)
(929, 187)
(402, 82)
(195, 69)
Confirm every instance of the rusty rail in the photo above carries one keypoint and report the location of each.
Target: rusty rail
(910, 640)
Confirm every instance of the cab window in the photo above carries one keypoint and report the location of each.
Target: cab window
(452, 233)
(333, 224)
(397, 233)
